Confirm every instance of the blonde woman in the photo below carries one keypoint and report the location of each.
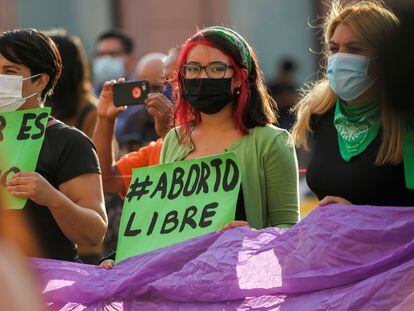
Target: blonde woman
(356, 144)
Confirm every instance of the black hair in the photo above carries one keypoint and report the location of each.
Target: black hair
(34, 50)
(74, 84)
(397, 65)
(126, 41)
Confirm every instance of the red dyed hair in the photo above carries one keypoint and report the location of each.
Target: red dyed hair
(185, 114)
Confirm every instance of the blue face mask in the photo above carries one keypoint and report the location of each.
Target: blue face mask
(107, 68)
(348, 75)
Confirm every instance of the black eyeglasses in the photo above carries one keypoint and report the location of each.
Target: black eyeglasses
(213, 70)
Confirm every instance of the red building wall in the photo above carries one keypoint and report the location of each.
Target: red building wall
(158, 25)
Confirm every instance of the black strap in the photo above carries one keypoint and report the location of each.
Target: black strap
(85, 111)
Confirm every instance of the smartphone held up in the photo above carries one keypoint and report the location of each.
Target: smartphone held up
(131, 93)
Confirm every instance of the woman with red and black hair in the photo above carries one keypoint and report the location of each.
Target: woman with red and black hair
(223, 105)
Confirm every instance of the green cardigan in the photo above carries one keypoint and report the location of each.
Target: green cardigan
(268, 165)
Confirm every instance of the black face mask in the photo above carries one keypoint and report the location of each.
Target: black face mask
(208, 95)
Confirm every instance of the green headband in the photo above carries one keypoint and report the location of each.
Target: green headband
(233, 38)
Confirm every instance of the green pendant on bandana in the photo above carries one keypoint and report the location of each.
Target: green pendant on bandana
(357, 126)
(408, 148)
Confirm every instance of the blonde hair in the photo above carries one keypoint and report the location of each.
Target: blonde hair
(373, 22)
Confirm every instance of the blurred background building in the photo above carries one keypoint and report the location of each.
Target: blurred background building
(276, 28)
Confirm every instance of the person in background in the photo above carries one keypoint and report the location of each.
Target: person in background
(169, 72)
(117, 175)
(64, 195)
(150, 68)
(223, 105)
(113, 58)
(73, 101)
(135, 127)
(283, 90)
(356, 140)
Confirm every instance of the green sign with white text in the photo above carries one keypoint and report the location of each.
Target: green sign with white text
(21, 137)
(175, 202)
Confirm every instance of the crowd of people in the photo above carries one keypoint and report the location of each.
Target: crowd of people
(207, 96)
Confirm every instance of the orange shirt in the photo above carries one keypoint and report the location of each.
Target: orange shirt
(145, 156)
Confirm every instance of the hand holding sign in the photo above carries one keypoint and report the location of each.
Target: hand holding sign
(32, 186)
(170, 203)
(22, 134)
(234, 224)
(107, 264)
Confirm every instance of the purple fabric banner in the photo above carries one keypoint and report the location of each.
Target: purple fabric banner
(338, 258)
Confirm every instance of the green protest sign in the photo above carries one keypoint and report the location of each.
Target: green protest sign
(174, 202)
(21, 137)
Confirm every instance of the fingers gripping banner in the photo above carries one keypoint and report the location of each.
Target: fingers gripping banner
(21, 138)
(171, 203)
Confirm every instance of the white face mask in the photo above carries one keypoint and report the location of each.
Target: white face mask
(11, 96)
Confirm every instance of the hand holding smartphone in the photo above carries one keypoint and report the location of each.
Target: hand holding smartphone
(131, 93)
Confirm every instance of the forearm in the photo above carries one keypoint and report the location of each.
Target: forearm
(284, 217)
(102, 138)
(80, 224)
(282, 184)
(283, 198)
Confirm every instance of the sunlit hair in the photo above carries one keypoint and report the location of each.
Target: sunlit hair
(372, 22)
(253, 106)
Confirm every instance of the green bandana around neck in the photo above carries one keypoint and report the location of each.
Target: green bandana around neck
(233, 38)
(408, 151)
(357, 126)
